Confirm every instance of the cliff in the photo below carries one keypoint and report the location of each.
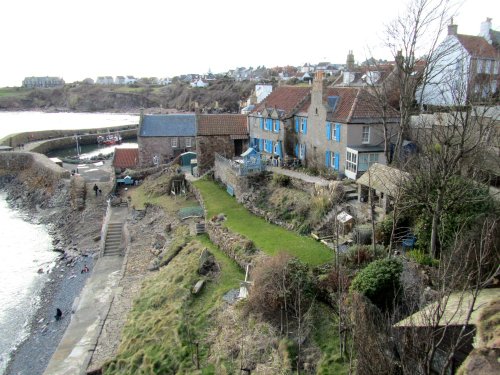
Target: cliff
(222, 95)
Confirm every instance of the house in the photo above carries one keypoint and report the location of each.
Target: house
(163, 137)
(125, 158)
(164, 81)
(42, 82)
(130, 80)
(467, 68)
(199, 83)
(269, 119)
(224, 134)
(119, 80)
(104, 80)
(335, 127)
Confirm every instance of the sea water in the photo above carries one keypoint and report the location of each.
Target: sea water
(25, 249)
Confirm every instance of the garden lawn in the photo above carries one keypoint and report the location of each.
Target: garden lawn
(268, 237)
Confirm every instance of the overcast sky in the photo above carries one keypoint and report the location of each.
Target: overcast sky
(75, 39)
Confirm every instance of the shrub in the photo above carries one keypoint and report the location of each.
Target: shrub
(422, 258)
(281, 180)
(379, 281)
(358, 255)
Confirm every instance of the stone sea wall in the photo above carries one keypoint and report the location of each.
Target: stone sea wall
(14, 140)
(39, 166)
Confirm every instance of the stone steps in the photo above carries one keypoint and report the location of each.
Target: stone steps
(113, 240)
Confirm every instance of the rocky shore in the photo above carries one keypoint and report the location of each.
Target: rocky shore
(76, 237)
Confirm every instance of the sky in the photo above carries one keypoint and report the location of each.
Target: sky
(77, 39)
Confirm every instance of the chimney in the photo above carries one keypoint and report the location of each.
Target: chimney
(484, 31)
(317, 89)
(349, 64)
(452, 29)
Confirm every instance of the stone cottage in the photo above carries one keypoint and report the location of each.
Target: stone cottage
(163, 137)
(226, 135)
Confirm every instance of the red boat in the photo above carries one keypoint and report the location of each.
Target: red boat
(109, 140)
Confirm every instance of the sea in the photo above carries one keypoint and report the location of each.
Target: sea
(26, 247)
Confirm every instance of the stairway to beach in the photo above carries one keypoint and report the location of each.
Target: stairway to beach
(113, 239)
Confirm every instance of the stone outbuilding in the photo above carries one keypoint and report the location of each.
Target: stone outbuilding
(225, 134)
(125, 158)
(163, 137)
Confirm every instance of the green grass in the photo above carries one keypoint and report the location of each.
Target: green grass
(13, 91)
(171, 204)
(268, 237)
(167, 319)
(325, 334)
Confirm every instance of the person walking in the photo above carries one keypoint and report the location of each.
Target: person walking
(96, 189)
(58, 315)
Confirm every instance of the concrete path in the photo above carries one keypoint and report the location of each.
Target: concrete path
(75, 350)
(302, 176)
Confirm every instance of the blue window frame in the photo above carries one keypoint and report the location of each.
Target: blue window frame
(328, 130)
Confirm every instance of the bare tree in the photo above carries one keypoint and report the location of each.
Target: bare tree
(413, 40)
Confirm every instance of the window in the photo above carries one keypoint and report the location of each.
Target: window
(487, 68)
(496, 70)
(174, 142)
(302, 151)
(366, 161)
(365, 137)
(303, 125)
(350, 163)
(276, 126)
(334, 132)
(269, 124)
(479, 66)
(332, 162)
(188, 142)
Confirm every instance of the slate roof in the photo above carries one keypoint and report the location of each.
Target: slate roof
(222, 125)
(477, 46)
(285, 98)
(183, 125)
(126, 157)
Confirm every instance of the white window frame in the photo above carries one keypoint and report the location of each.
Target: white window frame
(275, 128)
(301, 151)
(174, 142)
(275, 148)
(351, 163)
(332, 161)
(188, 142)
(367, 139)
(302, 124)
(334, 131)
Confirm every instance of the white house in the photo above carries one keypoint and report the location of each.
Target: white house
(199, 83)
(119, 80)
(465, 68)
(107, 80)
(130, 79)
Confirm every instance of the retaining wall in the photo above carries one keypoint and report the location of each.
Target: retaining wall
(11, 163)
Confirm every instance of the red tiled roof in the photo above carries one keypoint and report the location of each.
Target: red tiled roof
(126, 157)
(285, 98)
(477, 46)
(222, 125)
(355, 104)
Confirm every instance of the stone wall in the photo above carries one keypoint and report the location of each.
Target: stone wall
(39, 165)
(162, 147)
(235, 246)
(14, 140)
(207, 146)
(226, 174)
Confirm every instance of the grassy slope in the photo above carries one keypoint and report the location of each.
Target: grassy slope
(13, 92)
(269, 238)
(167, 319)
